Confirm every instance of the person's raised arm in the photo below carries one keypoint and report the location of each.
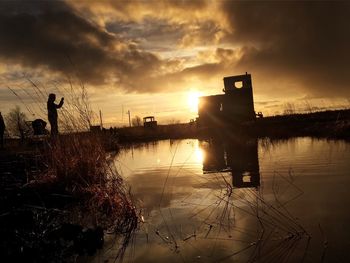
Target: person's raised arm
(60, 104)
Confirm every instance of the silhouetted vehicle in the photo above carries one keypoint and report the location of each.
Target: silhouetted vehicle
(38, 126)
(149, 122)
(259, 114)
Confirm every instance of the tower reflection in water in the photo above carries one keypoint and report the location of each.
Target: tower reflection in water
(239, 157)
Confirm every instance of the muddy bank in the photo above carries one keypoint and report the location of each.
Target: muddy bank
(160, 132)
(327, 124)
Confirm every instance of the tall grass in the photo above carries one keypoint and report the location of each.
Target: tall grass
(79, 166)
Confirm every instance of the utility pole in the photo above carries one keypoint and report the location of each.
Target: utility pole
(129, 118)
(101, 123)
(122, 113)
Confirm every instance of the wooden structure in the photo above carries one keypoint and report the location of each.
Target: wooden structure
(235, 106)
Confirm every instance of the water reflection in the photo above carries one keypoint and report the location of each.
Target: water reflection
(192, 212)
(239, 158)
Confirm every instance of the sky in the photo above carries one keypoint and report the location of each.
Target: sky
(155, 57)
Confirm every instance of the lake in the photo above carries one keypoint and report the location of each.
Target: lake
(241, 201)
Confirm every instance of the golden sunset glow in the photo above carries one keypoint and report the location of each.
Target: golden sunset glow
(193, 100)
(199, 154)
(157, 57)
(191, 130)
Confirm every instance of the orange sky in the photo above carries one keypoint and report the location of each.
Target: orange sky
(153, 57)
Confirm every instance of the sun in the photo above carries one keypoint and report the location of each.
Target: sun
(193, 100)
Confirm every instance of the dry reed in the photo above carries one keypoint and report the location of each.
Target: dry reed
(78, 166)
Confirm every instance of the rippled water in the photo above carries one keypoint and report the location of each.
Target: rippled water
(284, 201)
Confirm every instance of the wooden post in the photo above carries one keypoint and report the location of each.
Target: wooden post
(129, 118)
(101, 123)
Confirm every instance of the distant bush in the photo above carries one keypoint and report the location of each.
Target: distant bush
(16, 122)
(136, 121)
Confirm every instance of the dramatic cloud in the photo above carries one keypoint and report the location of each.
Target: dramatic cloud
(294, 50)
(305, 41)
(53, 36)
(175, 11)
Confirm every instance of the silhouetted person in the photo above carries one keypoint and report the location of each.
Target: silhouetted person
(2, 130)
(52, 112)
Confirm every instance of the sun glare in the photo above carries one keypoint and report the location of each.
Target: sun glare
(193, 100)
(199, 154)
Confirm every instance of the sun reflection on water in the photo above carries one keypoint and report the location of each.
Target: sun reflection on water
(199, 154)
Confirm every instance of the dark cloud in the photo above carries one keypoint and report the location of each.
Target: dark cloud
(163, 35)
(157, 35)
(301, 42)
(305, 41)
(136, 8)
(52, 35)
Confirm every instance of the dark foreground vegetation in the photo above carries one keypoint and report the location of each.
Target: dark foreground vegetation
(58, 198)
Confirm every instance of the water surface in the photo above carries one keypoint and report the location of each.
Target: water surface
(211, 201)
